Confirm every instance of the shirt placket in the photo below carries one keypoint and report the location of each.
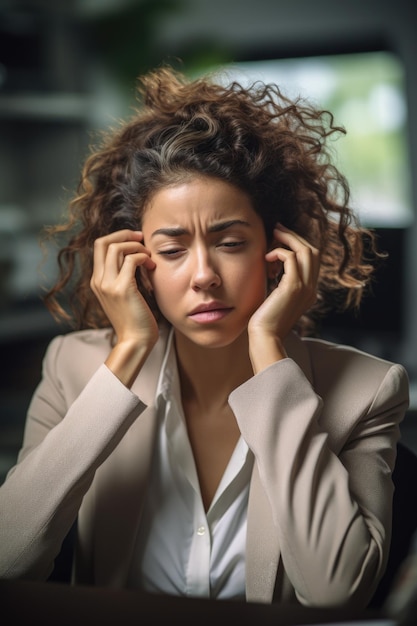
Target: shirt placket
(198, 571)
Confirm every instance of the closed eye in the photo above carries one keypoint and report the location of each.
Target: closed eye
(170, 253)
(232, 244)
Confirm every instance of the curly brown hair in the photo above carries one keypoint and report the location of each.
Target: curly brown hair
(275, 149)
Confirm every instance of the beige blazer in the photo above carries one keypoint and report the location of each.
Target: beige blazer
(322, 424)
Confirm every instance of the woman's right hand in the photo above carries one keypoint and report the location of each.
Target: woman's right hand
(117, 257)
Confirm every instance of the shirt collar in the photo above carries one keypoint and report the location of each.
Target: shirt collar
(169, 408)
(168, 384)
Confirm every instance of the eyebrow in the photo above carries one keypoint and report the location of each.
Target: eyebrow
(214, 228)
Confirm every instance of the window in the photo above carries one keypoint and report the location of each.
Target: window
(365, 92)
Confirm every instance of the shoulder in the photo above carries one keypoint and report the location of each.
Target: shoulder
(81, 343)
(327, 354)
(76, 355)
(336, 366)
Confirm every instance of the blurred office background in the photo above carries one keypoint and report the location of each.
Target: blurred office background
(68, 69)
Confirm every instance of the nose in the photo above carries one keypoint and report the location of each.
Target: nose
(205, 275)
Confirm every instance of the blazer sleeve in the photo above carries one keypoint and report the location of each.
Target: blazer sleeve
(62, 448)
(331, 507)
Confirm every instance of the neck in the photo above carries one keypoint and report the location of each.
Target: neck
(209, 375)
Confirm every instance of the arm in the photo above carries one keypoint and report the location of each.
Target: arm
(64, 445)
(331, 508)
(62, 449)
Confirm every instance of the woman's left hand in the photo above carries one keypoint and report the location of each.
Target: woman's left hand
(298, 264)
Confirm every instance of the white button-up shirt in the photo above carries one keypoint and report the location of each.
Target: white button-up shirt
(181, 549)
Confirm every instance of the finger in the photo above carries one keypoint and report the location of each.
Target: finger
(117, 252)
(126, 277)
(136, 260)
(291, 238)
(102, 244)
(124, 234)
(115, 270)
(299, 272)
(112, 284)
(288, 262)
(307, 254)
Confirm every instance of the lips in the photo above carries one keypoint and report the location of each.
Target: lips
(209, 306)
(209, 312)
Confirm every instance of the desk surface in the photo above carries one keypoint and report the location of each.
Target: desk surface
(63, 605)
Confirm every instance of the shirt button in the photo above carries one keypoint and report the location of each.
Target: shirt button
(201, 530)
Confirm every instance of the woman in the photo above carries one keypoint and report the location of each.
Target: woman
(205, 442)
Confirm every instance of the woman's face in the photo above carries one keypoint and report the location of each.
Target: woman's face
(209, 247)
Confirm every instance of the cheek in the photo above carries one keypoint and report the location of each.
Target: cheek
(256, 271)
(257, 288)
(167, 285)
(251, 282)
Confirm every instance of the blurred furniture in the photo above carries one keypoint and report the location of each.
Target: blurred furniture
(52, 604)
(404, 521)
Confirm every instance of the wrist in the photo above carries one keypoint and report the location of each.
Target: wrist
(264, 350)
(127, 358)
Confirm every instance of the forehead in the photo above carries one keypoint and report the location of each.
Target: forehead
(201, 199)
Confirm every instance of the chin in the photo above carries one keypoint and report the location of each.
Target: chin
(212, 339)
